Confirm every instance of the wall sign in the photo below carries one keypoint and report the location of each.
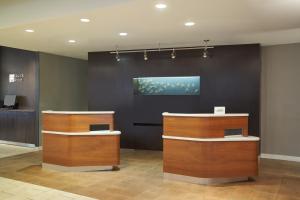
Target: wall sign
(15, 78)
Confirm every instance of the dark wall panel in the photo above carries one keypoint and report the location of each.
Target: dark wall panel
(17, 61)
(230, 77)
(19, 125)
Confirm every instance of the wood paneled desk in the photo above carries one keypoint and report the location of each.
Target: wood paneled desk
(69, 145)
(197, 150)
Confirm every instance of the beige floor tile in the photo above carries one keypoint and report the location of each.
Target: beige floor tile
(11, 150)
(263, 196)
(140, 178)
(11, 189)
(287, 197)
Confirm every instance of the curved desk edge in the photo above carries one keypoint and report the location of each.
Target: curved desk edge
(204, 115)
(225, 139)
(90, 133)
(78, 112)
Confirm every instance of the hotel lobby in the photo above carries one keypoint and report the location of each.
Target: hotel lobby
(149, 100)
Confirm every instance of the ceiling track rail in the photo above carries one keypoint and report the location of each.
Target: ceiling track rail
(161, 50)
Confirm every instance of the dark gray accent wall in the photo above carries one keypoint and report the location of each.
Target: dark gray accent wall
(18, 61)
(231, 78)
(280, 97)
(19, 125)
(63, 83)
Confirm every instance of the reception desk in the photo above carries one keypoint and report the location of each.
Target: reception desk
(196, 149)
(69, 145)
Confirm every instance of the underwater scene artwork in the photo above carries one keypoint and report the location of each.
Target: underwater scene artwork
(181, 85)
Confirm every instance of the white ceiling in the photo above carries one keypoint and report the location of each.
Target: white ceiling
(267, 22)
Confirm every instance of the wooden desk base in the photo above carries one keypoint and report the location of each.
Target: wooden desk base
(210, 162)
(81, 152)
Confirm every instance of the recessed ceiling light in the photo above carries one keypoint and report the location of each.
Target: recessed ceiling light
(72, 41)
(160, 5)
(189, 23)
(123, 34)
(29, 30)
(86, 20)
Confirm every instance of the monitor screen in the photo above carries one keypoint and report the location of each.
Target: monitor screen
(9, 100)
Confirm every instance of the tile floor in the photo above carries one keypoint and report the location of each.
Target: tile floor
(140, 178)
(17, 190)
(11, 150)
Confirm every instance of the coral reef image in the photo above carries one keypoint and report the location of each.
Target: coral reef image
(184, 85)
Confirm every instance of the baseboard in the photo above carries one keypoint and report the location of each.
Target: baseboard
(123, 150)
(280, 157)
(76, 168)
(17, 144)
(40, 148)
(203, 181)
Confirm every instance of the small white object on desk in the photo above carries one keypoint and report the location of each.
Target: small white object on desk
(219, 110)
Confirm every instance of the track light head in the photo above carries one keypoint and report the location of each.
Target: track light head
(145, 55)
(173, 54)
(117, 55)
(204, 55)
(205, 51)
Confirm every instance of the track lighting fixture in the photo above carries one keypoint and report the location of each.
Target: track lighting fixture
(145, 55)
(205, 49)
(173, 54)
(205, 52)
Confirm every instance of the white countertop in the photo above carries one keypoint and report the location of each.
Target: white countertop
(205, 114)
(78, 112)
(90, 133)
(225, 139)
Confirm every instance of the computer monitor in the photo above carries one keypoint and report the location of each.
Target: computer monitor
(9, 100)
